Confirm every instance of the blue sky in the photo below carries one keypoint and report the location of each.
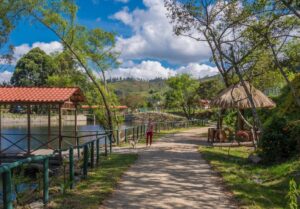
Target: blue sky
(145, 39)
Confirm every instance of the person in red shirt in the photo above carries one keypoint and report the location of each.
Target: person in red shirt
(149, 133)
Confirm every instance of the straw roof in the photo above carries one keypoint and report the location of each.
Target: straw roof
(236, 97)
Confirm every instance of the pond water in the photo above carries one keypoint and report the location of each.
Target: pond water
(39, 135)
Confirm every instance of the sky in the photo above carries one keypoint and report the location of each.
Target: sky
(144, 37)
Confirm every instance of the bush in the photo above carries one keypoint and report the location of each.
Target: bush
(277, 143)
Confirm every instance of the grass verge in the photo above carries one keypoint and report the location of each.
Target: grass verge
(254, 186)
(100, 184)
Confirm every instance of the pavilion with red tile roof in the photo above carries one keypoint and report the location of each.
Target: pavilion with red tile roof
(28, 96)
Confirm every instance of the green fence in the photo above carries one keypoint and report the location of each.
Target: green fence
(81, 157)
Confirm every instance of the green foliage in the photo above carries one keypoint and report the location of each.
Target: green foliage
(182, 94)
(230, 118)
(33, 69)
(293, 195)
(208, 89)
(276, 143)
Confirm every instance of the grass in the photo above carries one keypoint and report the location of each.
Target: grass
(254, 186)
(100, 183)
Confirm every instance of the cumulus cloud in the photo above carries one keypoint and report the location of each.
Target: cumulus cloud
(5, 76)
(198, 70)
(153, 37)
(148, 70)
(49, 48)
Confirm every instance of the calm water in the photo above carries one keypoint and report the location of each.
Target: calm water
(18, 135)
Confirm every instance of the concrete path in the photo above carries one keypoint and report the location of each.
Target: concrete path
(171, 174)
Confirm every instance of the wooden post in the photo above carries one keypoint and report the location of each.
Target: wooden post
(28, 129)
(49, 125)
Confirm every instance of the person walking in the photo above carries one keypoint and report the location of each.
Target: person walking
(149, 133)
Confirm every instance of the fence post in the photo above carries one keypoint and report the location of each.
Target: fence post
(71, 167)
(85, 160)
(7, 190)
(118, 137)
(110, 143)
(133, 133)
(92, 154)
(137, 132)
(105, 139)
(125, 135)
(46, 181)
(78, 148)
(97, 152)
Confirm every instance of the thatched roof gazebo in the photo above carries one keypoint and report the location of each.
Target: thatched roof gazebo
(236, 97)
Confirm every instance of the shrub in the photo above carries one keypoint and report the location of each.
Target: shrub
(276, 143)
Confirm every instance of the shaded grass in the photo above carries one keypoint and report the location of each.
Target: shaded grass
(90, 193)
(254, 186)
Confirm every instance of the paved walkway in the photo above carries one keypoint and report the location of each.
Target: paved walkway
(171, 174)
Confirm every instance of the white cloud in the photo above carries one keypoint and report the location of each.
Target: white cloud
(124, 16)
(49, 48)
(148, 70)
(153, 37)
(198, 70)
(5, 76)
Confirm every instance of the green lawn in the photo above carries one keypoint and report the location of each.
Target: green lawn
(254, 186)
(100, 184)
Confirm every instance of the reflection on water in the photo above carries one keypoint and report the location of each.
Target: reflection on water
(17, 135)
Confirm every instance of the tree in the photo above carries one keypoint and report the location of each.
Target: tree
(221, 25)
(208, 89)
(182, 93)
(33, 69)
(60, 18)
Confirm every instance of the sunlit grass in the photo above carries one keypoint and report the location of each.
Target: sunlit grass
(100, 184)
(254, 186)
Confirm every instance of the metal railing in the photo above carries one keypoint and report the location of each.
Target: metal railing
(85, 156)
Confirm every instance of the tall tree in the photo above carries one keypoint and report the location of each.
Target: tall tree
(33, 69)
(182, 93)
(220, 24)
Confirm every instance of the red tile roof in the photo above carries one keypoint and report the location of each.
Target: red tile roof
(13, 95)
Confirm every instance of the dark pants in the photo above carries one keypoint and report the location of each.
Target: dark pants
(149, 138)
